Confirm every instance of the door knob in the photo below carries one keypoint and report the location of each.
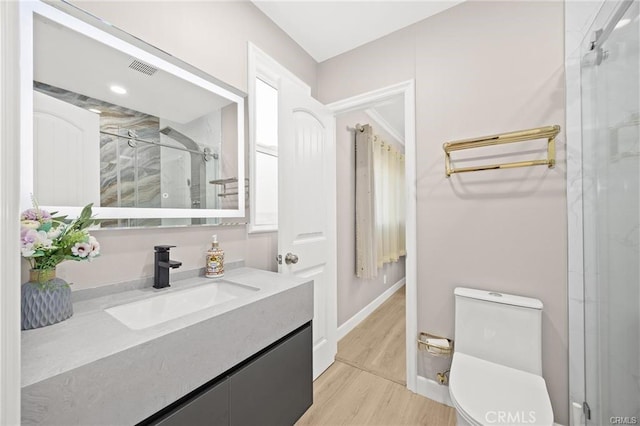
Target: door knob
(290, 258)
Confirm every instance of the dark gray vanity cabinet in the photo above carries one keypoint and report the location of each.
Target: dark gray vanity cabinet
(273, 387)
(211, 407)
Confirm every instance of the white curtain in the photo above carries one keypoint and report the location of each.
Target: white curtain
(380, 213)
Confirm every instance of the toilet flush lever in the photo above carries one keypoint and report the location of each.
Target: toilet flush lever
(291, 258)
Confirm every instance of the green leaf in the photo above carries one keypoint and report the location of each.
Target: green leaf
(84, 220)
(86, 212)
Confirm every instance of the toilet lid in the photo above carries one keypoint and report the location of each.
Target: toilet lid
(493, 394)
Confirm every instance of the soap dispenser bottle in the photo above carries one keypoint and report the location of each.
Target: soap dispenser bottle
(215, 260)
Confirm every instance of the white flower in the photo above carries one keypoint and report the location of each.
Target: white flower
(81, 250)
(43, 240)
(95, 246)
(27, 250)
(55, 232)
(30, 224)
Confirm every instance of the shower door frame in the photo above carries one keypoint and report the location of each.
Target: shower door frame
(580, 19)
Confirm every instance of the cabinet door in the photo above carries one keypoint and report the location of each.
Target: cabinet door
(277, 387)
(209, 408)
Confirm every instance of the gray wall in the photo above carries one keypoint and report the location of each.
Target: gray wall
(212, 36)
(480, 68)
(355, 293)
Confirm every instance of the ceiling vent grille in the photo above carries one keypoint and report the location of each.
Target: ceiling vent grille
(142, 67)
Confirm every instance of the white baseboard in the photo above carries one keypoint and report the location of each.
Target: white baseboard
(434, 391)
(352, 322)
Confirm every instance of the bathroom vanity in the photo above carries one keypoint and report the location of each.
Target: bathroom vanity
(244, 360)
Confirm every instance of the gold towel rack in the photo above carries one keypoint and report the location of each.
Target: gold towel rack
(548, 132)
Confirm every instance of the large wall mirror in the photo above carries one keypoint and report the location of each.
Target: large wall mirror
(110, 120)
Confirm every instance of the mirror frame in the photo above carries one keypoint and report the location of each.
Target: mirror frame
(103, 32)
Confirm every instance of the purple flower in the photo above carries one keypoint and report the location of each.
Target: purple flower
(29, 214)
(28, 236)
(36, 214)
(32, 240)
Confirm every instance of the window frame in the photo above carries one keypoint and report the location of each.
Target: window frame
(254, 148)
(262, 66)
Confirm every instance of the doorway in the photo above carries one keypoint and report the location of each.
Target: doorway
(264, 68)
(391, 112)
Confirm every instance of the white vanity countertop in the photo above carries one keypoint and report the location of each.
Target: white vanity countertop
(92, 368)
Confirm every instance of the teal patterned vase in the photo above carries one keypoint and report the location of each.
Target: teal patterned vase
(46, 299)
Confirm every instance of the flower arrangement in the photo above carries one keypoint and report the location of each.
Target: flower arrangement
(47, 241)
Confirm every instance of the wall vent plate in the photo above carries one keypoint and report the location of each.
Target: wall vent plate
(136, 65)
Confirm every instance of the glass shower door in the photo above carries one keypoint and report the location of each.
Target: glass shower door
(611, 192)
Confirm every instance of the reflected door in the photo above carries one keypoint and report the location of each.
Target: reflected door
(61, 131)
(611, 175)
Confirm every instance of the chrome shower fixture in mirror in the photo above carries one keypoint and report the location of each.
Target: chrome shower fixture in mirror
(113, 121)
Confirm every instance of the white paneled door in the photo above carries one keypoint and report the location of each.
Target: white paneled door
(307, 209)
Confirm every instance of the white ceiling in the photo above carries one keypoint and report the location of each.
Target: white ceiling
(389, 115)
(66, 59)
(328, 28)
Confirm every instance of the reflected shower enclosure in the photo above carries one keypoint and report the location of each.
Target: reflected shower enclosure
(144, 161)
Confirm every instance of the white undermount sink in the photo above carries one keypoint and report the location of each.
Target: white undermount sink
(158, 309)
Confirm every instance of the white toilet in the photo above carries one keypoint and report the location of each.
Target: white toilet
(496, 373)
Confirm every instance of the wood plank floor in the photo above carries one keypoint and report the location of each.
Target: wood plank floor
(378, 344)
(365, 386)
(345, 395)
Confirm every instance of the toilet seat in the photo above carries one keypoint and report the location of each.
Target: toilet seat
(486, 393)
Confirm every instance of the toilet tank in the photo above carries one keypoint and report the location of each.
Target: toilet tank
(500, 328)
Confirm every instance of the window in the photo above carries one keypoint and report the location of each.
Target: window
(380, 212)
(265, 206)
(265, 78)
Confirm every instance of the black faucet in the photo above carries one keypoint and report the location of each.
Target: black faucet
(161, 266)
